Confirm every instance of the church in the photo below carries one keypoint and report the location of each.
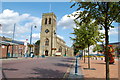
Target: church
(50, 43)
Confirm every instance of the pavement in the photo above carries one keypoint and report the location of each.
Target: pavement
(100, 69)
(73, 74)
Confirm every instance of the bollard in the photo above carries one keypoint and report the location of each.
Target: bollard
(76, 66)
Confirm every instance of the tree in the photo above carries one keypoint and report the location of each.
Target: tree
(75, 50)
(79, 45)
(86, 35)
(37, 42)
(118, 51)
(98, 48)
(104, 14)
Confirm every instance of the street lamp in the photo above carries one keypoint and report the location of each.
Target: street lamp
(31, 37)
(13, 40)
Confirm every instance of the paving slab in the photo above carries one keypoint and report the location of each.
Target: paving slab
(73, 74)
(100, 67)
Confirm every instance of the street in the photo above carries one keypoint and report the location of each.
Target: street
(48, 67)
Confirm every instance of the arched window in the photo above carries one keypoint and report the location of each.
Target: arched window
(60, 49)
(49, 20)
(45, 20)
(47, 42)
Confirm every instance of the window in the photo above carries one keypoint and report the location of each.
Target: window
(49, 20)
(60, 49)
(47, 42)
(54, 32)
(45, 20)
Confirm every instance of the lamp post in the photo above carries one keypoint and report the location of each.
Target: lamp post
(31, 37)
(13, 41)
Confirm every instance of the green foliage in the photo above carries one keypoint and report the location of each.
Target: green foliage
(86, 34)
(117, 49)
(101, 12)
(104, 14)
(97, 48)
(37, 42)
(75, 51)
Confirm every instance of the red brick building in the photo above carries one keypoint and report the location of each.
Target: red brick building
(9, 47)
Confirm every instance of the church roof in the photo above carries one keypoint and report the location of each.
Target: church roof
(60, 39)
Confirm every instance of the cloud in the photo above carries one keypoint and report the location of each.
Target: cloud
(0, 29)
(60, 36)
(102, 31)
(23, 23)
(36, 35)
(67, 22)
(112, 31)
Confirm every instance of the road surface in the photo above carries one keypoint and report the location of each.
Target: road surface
(48, 67)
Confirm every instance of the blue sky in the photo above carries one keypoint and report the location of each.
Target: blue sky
(27, 14)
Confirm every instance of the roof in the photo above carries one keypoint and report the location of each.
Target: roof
(115, 43)
(60, 39)
(7, 43)
(6, 40)
(18, 42)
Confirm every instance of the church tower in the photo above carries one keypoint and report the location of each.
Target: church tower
(48, 34)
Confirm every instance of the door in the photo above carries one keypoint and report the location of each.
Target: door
(46, 53)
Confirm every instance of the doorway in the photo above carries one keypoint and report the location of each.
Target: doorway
(46, 53)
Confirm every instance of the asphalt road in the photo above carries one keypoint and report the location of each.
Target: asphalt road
(48, 67)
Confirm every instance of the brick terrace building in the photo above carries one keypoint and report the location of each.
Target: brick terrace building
(6, 45)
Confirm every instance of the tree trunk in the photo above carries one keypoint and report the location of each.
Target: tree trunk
(107, 54)
(88, 58)
(84, 55)
(107, 42)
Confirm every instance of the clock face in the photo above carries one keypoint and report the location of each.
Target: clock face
(46, 30)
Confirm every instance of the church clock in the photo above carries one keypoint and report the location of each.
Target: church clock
(46, 30)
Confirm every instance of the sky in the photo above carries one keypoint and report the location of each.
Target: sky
(27, 14)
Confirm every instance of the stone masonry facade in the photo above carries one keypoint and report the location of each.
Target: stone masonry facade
(50, 44)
